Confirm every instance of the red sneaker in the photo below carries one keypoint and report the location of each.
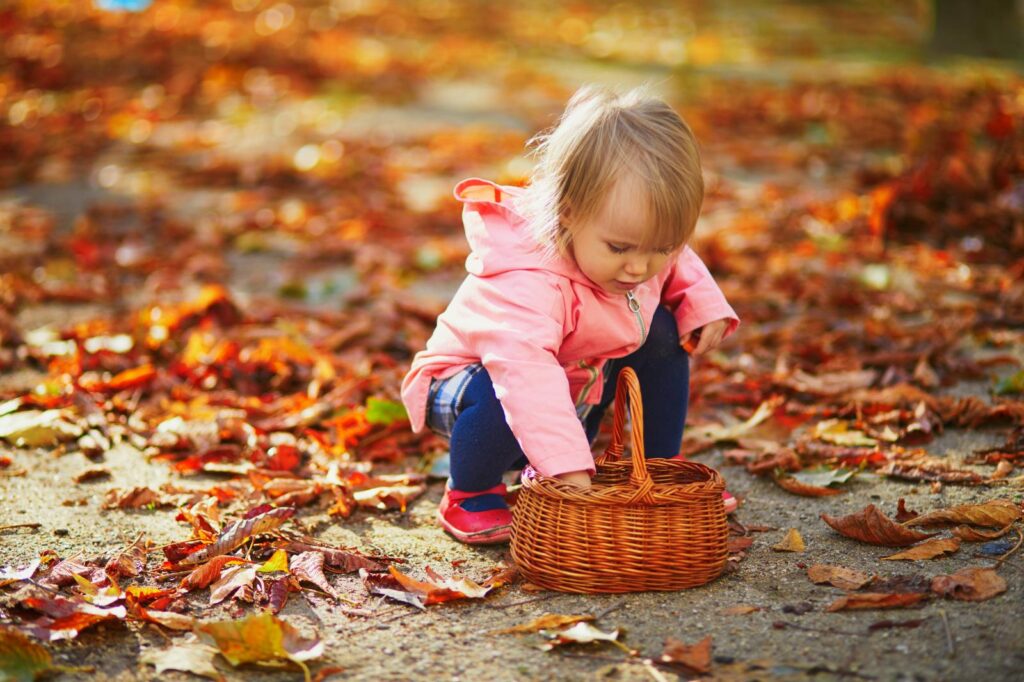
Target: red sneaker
(728, 500)
(474, 528)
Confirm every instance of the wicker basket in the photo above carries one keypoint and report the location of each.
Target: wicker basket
(644, 525)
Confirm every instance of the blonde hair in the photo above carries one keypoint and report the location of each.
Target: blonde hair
(598, 137)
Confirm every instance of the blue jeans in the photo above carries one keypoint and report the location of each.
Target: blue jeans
(483, 447)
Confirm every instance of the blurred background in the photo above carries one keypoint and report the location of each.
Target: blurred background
(305, 151)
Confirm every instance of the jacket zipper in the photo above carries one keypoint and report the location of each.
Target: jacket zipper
(634, 305)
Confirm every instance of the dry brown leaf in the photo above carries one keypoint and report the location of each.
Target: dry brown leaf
(877, 600)
(549, 621)
(872, 526)
(972, 534)
(790, 484)
(791, 543)
(929, 549)
(838, 576)
(991, 514)
(904, 514)
(1003, 469)
(969, 584)
(740, 610)
(695, 657)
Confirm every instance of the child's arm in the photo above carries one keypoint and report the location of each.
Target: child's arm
(696, 301)
(514, 324)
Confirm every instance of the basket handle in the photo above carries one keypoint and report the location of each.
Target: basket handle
(628, 386)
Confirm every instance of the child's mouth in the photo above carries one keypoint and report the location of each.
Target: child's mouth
(626, 286)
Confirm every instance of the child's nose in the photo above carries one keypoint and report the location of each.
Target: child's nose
(636, 267)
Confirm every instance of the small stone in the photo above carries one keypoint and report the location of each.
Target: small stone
(61, 532)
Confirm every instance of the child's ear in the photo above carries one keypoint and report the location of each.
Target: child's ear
(566, 218)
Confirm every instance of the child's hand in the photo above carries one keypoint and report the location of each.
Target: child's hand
(704, 339)
(580, 479)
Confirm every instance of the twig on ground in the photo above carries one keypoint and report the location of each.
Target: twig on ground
(1006, 556)
(614, 607)
(781, 624)
(20, 525)
(949, 634)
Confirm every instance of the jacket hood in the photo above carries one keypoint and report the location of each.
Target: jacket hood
(499, 236)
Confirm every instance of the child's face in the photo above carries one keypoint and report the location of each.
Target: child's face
(606, 247)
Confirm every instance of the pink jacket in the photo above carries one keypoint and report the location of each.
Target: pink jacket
(543, 330)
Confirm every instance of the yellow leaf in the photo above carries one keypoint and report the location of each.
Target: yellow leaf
(793, 542)
(276, 563)
(261, 638)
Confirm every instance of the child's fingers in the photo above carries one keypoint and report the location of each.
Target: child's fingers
(709, 340)
(690, 341)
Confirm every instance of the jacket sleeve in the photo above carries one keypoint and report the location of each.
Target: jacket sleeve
(694, 297)
(515, 324)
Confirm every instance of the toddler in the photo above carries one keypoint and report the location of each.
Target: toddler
(581, 273)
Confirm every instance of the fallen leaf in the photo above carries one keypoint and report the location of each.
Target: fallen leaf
(838, 576)
(549, 621)
(309, 567)
(65, 618)
(187, 655)
(91, 474)
(388, 497)
(262, 638)
(739, 544)
(877, 600)
(202, 576)
(969, 584)
(580, 633)
(21, 659)
(235, 534)
(902, 513)
(824, 477)
(278, 563)
(695, 657)
(797, 487)
(129, 562)
(971, 534)
(230, 581)
(872, 526)
(929, 549)
(34, 428)
(991, 514)
(135, 498)
(1003, 469)
(740, 610)
(791, 543)
(838, 432)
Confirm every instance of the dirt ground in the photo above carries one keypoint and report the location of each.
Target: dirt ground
(791, 637)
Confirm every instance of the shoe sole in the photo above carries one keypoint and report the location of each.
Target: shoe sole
(491, 536)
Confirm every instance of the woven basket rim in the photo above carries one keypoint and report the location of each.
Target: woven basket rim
(619, 493)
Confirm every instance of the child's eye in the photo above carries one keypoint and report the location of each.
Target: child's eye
(665, 252)
(617, 249)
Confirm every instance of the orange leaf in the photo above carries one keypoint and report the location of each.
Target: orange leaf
(928, 549)
(969, 584)
(207, 573)
(794, 486)
(877, 600)
(695, 657)
(872, 526)
(992, 514)
(971, 534)
(838, 576)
